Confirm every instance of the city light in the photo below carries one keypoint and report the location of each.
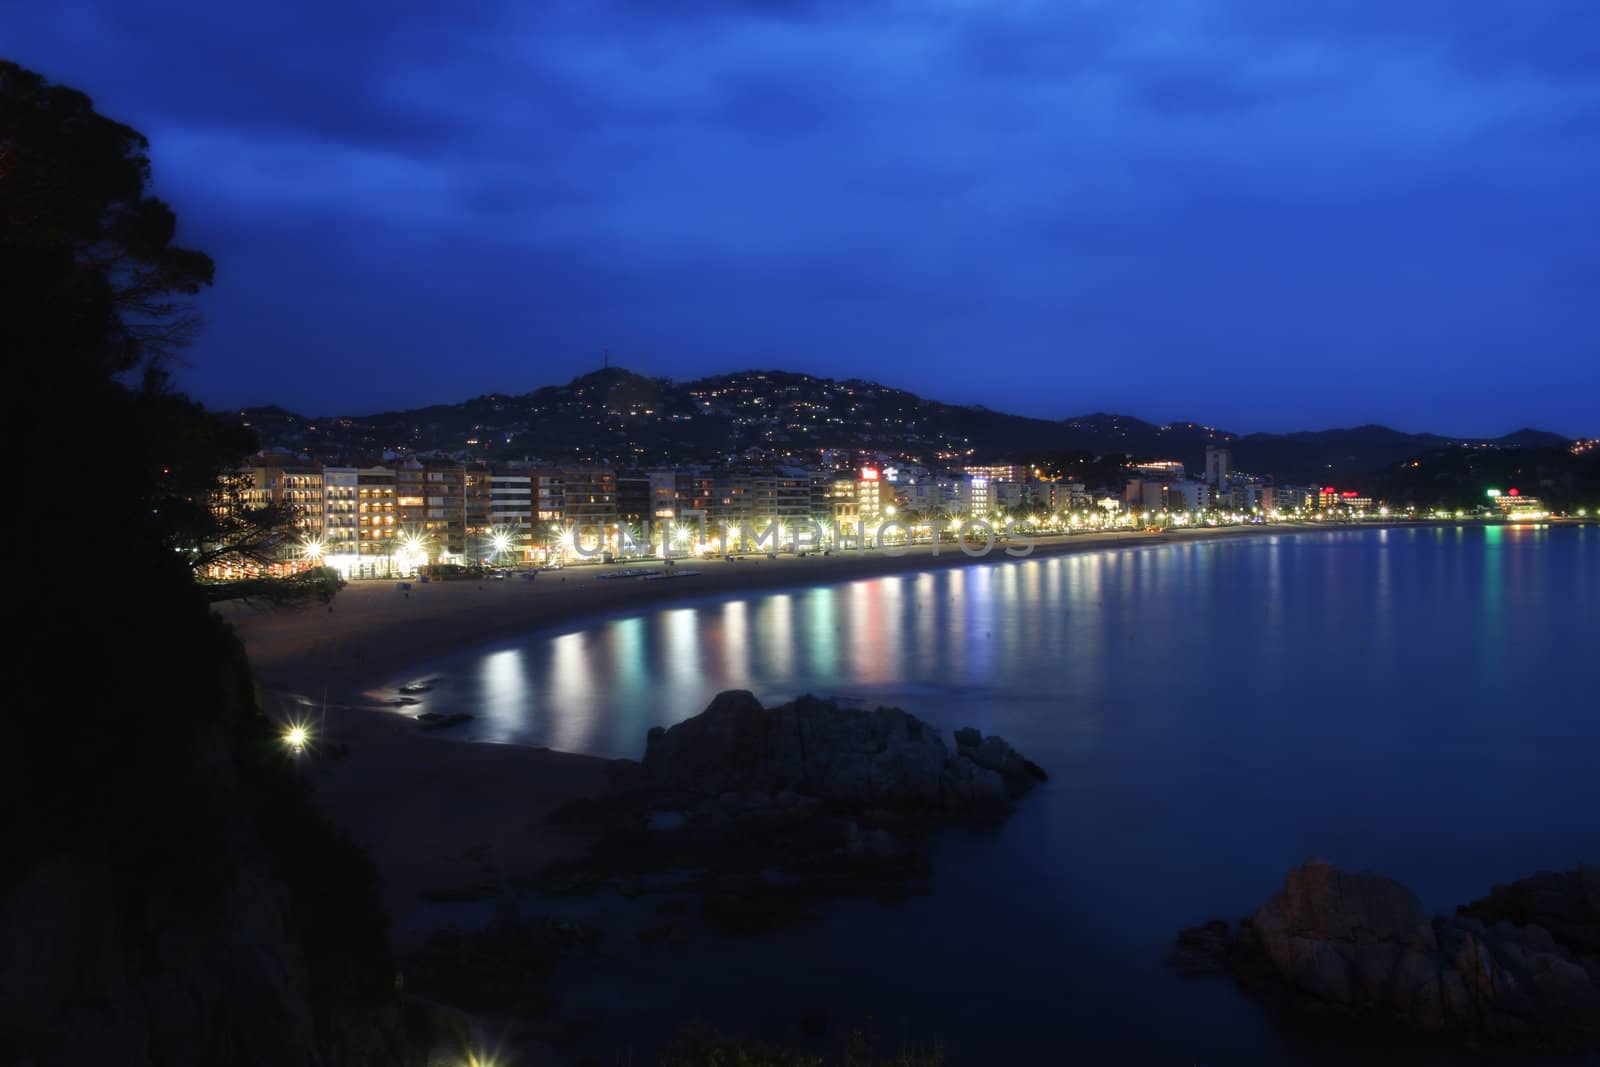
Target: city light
(851, 506)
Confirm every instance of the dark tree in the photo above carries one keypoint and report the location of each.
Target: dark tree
(97, 299)
(142, 785)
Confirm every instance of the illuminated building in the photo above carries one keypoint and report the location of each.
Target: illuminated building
(511, 512)
(430, 502)
(973, 496)
(360, 520)
(549, 495)
(589, 500)
(1247, 495)
(1291, 498)
(278, 481)
(999, 472)
(1328, 497)
(1061, 496)
(844, 504)
(761, 497)
(874, 496)
(1515, 506)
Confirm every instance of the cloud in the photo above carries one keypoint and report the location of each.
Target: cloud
(1129, 187)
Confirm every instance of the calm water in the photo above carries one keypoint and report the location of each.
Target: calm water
(1419, 702)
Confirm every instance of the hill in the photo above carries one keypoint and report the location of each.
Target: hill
(619, 417)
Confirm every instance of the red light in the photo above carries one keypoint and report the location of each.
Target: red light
(1513, 492)
(869, 474)
(1330, 489)
(1349, 492)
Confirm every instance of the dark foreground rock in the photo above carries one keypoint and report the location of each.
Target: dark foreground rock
(1519, 967)
(764, 812)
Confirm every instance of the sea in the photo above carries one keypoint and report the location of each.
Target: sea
(1422, 702)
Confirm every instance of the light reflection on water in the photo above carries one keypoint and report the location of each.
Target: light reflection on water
(1418, 702)
(1358, 612)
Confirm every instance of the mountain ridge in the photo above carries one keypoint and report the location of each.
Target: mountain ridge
(615, 415)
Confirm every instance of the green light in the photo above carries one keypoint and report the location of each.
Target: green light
(1494, 492)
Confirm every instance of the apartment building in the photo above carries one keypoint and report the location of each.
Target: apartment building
(510, 527)
(287, 482)
(589, 496)
(431, 504)
(361, 520)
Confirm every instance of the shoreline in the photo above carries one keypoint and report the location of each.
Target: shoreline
(374, 633)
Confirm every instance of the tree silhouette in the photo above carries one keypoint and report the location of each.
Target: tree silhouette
(96, 297)
(136, 761)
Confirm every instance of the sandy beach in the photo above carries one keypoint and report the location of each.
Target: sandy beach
(375, 632)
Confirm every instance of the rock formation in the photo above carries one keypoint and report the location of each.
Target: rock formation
(772, 810)
(883, 758)
(1521, 966)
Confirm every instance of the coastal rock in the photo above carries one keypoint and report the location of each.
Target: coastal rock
(1567, 904)
(995, 754)
(837, 755)
(967, 785)
(1519, 966)
(773, 810)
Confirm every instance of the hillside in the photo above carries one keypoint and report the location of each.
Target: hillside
(619, 417)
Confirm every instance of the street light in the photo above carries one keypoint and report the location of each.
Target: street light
(413, 551)
(296, 737)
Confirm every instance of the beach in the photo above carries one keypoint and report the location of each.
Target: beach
(375, 632)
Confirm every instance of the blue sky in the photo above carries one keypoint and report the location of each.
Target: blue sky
(1256, 214)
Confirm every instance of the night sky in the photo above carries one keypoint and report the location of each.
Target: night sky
(1259, 214)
